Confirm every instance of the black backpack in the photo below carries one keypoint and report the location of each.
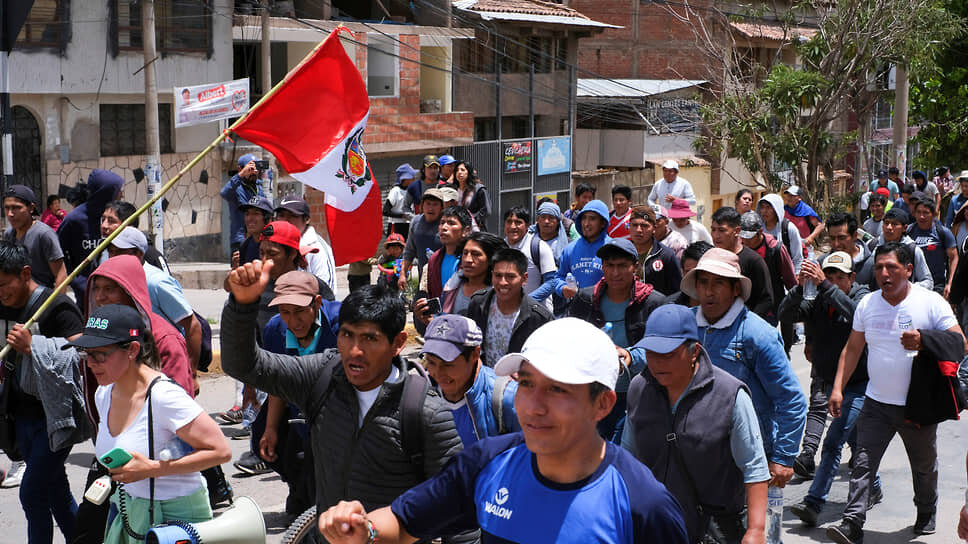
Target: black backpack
(415, 388)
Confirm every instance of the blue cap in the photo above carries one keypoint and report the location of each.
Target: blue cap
(405, 171)
(448, 335)
(621, 246)
(595, 206)
(246, 159)
(668, 327)
(446, 159)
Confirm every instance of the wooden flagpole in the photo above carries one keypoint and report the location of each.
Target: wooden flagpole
(91, 257)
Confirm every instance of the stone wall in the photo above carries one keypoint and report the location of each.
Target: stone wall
(193, 214)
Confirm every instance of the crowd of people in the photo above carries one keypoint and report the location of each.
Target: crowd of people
(588, 374)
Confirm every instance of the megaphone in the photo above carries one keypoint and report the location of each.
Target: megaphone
(242, 523)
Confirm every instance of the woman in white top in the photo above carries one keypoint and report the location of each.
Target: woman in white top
(123, 357)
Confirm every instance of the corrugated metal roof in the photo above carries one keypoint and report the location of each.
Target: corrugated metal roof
(631, 88)
(532, 11)
(772, 32)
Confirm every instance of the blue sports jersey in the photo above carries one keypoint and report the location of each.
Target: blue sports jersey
(495, 485)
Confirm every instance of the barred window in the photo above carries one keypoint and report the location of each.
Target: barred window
(181, 26)
(123, 129)
(48, 25)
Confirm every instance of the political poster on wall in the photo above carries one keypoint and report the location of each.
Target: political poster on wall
(205, 103)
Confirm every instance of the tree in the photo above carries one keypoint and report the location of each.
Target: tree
(939, 102)
(788, 122)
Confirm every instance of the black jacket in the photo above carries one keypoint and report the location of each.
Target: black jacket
(935, 394)
(587, 306)
(828, 320)
(533, 314)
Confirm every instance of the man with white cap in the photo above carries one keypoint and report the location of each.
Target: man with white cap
(671, 187)
(802, 215)
(715, 433)
(557, 481)
(744, 345)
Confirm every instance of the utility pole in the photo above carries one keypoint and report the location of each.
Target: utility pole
(152, 142)
(266, 70)
(901, 119)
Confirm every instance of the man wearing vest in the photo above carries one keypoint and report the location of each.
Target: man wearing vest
(747, 347)
(481, 403)
(712, 432)
(354, 396)
(557, 481)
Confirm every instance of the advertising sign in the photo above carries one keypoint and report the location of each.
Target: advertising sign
(206, 103)
(554, 155)
(517, 157)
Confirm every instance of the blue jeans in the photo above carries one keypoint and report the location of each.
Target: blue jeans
(838, 432)
(44, 490)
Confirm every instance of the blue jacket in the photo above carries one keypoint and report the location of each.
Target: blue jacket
(955, 203)
(274, 333)
(478, 399)
(752, 351)
(579, 257)
(80, 232)
(237, 193)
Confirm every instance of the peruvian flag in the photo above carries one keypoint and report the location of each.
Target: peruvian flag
(313, 123)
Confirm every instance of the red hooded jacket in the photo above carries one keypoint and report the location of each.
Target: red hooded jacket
(127, 271)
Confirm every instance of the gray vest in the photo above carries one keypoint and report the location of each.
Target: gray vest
(701, 428)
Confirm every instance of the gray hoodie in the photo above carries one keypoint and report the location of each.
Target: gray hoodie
(796, 244)
(53, 376)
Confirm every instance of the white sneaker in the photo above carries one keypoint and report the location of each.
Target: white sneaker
(14, 475)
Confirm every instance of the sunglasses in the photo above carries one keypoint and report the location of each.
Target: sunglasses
(98, 357)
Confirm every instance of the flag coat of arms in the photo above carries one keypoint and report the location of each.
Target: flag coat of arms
(314, 123)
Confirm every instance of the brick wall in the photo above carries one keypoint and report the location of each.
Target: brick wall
(659, 46)
(398, 119)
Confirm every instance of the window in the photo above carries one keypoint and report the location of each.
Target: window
(382, 72)
(48, 25)
(180, 26)
(123, 129)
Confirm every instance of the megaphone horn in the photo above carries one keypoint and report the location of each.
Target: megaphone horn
(242, 523)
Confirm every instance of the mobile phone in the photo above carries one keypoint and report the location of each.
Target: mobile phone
(433, 306)
(115, 458)
(262, 166)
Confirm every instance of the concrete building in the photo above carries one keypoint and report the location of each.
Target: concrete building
(77, 92)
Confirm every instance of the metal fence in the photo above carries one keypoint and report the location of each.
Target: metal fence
(511, 188)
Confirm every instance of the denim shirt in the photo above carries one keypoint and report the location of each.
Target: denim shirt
(752, 351)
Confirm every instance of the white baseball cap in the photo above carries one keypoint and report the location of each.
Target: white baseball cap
(671, 165)
(567, 350)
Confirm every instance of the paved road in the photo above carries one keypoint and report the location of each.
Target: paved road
(888, 523)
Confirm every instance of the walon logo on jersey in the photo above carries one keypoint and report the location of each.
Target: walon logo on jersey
(500, 497)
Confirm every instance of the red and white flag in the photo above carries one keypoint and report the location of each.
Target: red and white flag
(314, 125)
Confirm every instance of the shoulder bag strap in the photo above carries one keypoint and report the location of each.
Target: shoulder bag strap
(536, 252)
(415, 387)
(497, 402)
(151, 450)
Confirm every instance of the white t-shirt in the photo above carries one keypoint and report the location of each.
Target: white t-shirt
(368, 398)
(321, 263)
(888, 365)
(547, 258)
(693, 232)
(172, 409)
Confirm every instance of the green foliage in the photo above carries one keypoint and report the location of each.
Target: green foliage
(939, 102)
(786, 120)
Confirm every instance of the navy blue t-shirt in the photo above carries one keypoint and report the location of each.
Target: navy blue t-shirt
(495, 485)
(934, 244)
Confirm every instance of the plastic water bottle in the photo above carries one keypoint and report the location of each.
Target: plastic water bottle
(774, 514)
(176, 448)
(570, 281)
(809, 288)
(905, 323)
(607, 329)
(430, 253)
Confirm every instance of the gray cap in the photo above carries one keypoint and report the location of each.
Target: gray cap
(131, 238)
(448, 335)
(749, 225)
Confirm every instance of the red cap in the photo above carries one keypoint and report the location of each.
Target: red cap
(883, 191)
(395, 238)
(285, 234)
